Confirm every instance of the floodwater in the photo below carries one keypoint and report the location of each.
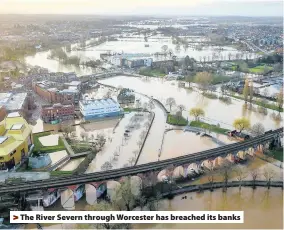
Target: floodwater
(123, 148)
(131, 45)
(72, 164)
(215, 110)
(263, 209)
(187, 143)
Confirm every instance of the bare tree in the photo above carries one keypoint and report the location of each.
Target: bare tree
(254, 175)
(103, 206)
(108, 94)
(241, 174)
(225, 173)
(211, 178)
(106, 166)
(171, 102)
(67, 131)
(257, 129)
(101, 140)
(268, 174)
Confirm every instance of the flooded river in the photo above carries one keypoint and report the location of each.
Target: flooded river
(262, 208)
(215, 110)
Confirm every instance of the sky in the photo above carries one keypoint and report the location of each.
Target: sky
(145, 7)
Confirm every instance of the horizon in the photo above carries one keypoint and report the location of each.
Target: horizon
(194, 8)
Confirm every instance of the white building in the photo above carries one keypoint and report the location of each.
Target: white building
(99, 108)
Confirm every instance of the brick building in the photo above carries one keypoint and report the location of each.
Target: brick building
(54, 92)
(2, 113)
(57, 113)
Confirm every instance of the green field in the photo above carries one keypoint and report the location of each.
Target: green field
(46, 149)
(259, 69)
(174, 120)
(207, 126)
(151, 72)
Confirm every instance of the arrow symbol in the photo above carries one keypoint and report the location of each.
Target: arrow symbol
(15, 217)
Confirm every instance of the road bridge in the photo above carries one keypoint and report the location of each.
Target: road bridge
(180, 166)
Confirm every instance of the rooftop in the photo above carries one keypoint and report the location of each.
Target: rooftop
(12, 101)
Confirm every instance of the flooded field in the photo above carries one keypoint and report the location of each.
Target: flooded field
(215, 110)
(187, 143)
(132, 44)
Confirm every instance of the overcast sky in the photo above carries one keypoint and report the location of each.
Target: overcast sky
(149, 7)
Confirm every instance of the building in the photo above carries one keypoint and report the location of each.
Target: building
(3, 112)
(15, 140)
(126, 96)
(138, 62)
(54, 92)
(18, 102)
(99, 108)
(57, 113)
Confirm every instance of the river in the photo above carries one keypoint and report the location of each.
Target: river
(262, 208)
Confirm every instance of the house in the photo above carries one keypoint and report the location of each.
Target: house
(238, 135)
(15, 140)
(57, 113)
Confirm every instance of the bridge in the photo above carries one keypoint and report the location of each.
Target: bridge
(178, 165)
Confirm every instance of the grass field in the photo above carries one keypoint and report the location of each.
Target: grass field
(46, 149)
(207, 126)
(259, 69)
(151, 72)
(174, 120)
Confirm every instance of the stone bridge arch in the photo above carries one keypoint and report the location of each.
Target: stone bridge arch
(67, 198)
(112, 187)
(178, 172)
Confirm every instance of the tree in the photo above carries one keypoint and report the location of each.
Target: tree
(101, 140)
(196, 112)
(279, 99)
(246, 90)
(186, 62)
(124, 197)
(204, 79)
(225, 173)
(211, 177)
(257, 129)
(106, 166)
(108, 94)
(254, 175)
(268, 174)
(102, 206)
(251, 92)
(164, 48)
(181, 108)
(241, 124)
(171, 102)
(241, 174)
